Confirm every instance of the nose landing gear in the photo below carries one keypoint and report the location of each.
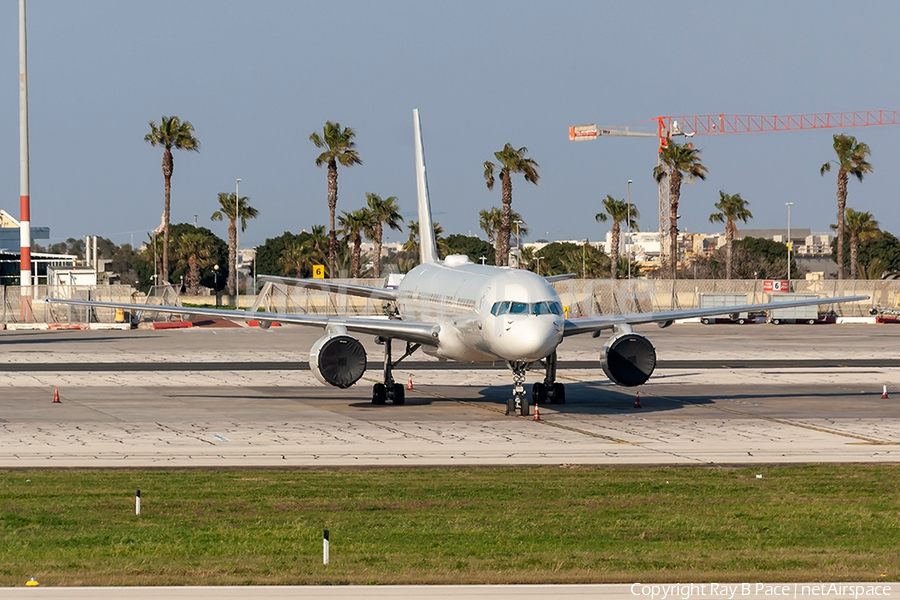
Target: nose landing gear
(519, 402)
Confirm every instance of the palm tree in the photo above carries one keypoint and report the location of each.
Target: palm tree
(384, 212)
(411, 246)
(675, 163)
(621, 212)
(861, 228)
(296, 258)
(171, 134)
(851, 160)
(511, 161)
(195, 251)
(318, 238)
(490, 221)
(731, 209)
(354, 225)
(339, 148)
(230, 210)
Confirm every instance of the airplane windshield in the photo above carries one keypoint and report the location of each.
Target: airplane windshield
(524, 308)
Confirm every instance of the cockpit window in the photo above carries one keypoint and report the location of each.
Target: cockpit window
(519, 308)
(546, 308)
(524, 308)
(500, 308)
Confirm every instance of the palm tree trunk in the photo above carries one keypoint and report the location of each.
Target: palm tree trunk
(842, 205)
(854, 256)
(729, 238)
(332, 208)
(193, 279)
(674, 196)
(232, 255)
(614, 250)
(167, 168)
(377, 261)
(505, 220)
(357, 251)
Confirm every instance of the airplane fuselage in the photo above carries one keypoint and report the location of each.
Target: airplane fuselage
(485, 313)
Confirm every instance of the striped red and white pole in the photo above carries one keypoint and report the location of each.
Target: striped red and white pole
(24, 192)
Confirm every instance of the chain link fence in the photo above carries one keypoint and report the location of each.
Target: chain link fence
(582, 298)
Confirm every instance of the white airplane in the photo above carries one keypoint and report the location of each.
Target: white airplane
(457, 310)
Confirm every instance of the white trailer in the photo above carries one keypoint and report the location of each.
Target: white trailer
(797, 314)
(724, 301)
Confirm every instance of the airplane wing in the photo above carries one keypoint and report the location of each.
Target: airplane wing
(365, 291)
(555, 278)
(412, 331)
(665, 318)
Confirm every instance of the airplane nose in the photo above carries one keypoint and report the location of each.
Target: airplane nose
(529, 339)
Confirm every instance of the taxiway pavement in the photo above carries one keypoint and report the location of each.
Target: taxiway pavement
(813, 395)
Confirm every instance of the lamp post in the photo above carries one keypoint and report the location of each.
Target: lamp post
(539, 259)
(628, 224)
(237, 245)
(216, 283)
(518, 239)
(789, 245)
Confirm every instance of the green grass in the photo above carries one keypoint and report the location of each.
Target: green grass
(542, 524)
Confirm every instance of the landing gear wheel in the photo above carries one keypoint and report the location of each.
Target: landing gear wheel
(539, 393)
(559, 393)
(379, 394)
(524, 406)
(399, 394)
(510, 406)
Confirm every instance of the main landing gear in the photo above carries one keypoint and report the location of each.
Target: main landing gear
(391, 390)
(549, 391)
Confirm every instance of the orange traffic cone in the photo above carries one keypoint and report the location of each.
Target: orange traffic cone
(56, 396)
(409, 385)
(884, 395)
(537, 413)
(637, 400)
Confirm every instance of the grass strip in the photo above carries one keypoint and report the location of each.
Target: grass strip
(497, 525)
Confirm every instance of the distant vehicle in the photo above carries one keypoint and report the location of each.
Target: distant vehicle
(808, 315)
(725, 301)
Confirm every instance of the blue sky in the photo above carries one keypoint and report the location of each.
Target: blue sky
(256, 78)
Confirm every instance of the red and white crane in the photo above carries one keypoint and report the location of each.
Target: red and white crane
(691, 125)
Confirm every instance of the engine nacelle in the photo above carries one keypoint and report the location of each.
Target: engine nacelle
(338, 360)
(628, 359)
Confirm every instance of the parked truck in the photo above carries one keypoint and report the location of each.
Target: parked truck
(724, 300)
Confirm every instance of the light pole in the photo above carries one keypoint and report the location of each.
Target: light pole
(539, 259)
(789, 245)
(237, 245)
(628, 223)
(216, 283)
(518, 239)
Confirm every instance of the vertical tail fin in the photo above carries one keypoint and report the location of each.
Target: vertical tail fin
(427, 243)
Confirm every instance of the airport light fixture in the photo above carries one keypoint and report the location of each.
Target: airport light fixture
(628, 223)
(237, 245)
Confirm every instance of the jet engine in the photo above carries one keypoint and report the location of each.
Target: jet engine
(338, 360)
(628, 359)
